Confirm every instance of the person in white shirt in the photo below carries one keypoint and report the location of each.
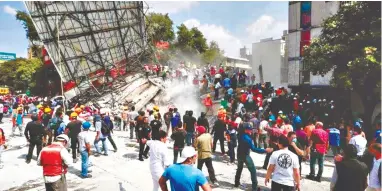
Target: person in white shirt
(284, 168)
(358, 141)
(84, 146)
(100, 137)
(262, 132)
(159, 157)
(374, 176)
(132, 115)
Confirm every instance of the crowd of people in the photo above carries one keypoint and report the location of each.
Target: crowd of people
(287, 127)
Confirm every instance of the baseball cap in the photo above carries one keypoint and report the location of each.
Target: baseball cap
(200, 129)
(86, 125)
(247, 126)
(187, 153)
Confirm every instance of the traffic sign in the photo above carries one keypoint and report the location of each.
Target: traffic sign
(5, 56)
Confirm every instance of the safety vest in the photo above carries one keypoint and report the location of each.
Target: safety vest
(208, 102)
(51, 160)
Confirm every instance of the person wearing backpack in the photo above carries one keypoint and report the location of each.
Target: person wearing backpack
(102, 132)
(108, 124)
(53, 125)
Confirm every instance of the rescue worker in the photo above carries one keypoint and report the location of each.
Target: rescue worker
(245, 145)
(72, 130)
(218, 131)
(156, 112)
(208, 103)
(2, 145)
(203, 121)
(125, 117)
(143, 135)
(55, 160)
(203, 144)
(167, 119)
(35, 135)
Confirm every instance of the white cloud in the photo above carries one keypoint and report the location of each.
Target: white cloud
(229, 43)
(265, 27)
(170, 7)
(10, 10)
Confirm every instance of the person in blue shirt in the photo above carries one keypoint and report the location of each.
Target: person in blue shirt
(227, 83)
(271, 116)
(175, 119)
(243, 154)
(184, 176)
(334, 139)
(296, 121)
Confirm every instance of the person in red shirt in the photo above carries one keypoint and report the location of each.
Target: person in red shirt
(318, 144)
(2, 145)
(221, 70)
(208, 103)
(243, 97)
(213, 71)
(147, 70)
(295, 104)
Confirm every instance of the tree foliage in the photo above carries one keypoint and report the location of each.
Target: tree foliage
(159, 27)
(184, 39)
(30, 30)
(21, 73)
(198, 42)
(350, 45)
(213, 54)
(188, 43)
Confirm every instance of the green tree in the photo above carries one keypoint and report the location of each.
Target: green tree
(213, 54)
(30, 30)
(184, 39)
(350, 45)
(19, 74)
(159, 27)
(198, 42)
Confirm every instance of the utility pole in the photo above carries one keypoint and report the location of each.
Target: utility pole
(58, 63)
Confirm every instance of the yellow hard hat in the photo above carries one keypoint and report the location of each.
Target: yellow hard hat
(125, 108)
(39, 106)
(47, 110)
(74, 114)
(82, 106)
(208, 95)
(156, 108)
(78, 110)
(19, 109)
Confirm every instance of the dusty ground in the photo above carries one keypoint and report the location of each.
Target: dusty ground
(122, 170)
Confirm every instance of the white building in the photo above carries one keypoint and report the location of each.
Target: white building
(305, 19)
(268, 61)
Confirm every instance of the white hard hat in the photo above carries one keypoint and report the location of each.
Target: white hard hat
(260, 91)
(260, 108)
(62, 137)
(294, 98)
(280, 112)
(187, 153)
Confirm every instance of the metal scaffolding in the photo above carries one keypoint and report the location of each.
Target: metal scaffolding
(87, 41)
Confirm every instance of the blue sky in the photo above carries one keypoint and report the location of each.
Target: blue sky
(232, 24)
